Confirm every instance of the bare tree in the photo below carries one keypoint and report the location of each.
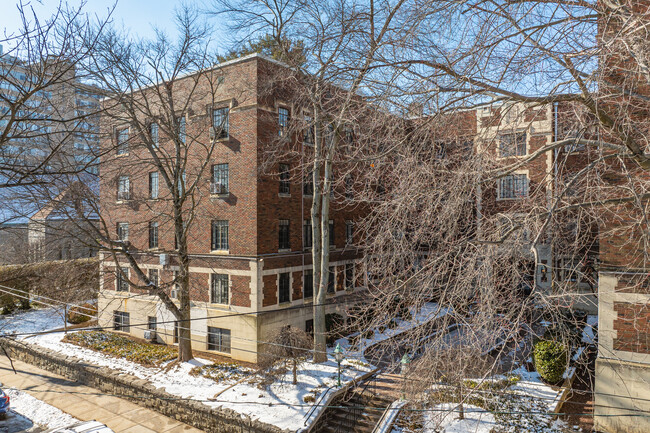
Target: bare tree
(288, 344)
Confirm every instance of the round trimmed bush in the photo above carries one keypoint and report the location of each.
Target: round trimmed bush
(551, 360)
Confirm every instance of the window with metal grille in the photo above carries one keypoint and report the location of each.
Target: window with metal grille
(349, 276)
(283, 235)
(284, 287)
(123, 141)
(219, 289)
(153, 133)
(153, 234)
(122, 280)
(349, 232)
(308, 134)
(219, 182)
(512, 144)
(283, 120)
(308, 283)
(220, 122)
(219, 235)
(123, 188)
(153, 185)
(219, 339)
(308, 184)
(284, 179)
(123, 231)
(331, 280)
(513, 186)
(307, 234)
(121, 321)
(153, 277)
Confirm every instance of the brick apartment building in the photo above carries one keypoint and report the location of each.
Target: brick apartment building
(250, 261)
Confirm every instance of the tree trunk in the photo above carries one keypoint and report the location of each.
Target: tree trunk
(295, 371)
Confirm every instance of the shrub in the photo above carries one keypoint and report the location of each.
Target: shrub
(81, 313)
(7, 304)
(551, 360)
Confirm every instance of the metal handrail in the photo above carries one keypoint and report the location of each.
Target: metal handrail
(316, 405)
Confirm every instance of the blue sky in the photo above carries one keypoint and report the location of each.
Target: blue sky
(137, 15)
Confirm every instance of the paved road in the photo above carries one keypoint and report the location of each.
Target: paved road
(87, 403)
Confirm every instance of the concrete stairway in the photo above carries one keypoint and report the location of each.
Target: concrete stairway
(358, 413)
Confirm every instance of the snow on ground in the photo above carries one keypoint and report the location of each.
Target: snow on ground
(588, 334)
(531, 385)
(427, 312)
(37, 411)
(444, 418)
(34, 320)
(281, 404)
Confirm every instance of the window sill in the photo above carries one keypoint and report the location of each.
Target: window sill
(218, 351)
(123, 201)
(284, 194)
(284, 250)
(222, 139)
(220, 252)
(218, 305)
(510, 198)
(221, 196)
(120, 155)
(284, 304)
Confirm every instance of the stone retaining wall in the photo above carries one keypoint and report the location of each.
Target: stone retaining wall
(138, 391)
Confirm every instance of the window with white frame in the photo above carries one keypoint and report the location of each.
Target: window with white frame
(123, 279)
(123, 141)
(284, 242)
(285, 187)
(153, 234)
(182, 136)
(153, 185)
(512, 144)
(513, 186)
(220, 179)
(154, 277)
(349, 232)
(220, 122)
(153, 133)
(123, 231)
(121, 321)
(219, 339)
(123, 188)
(219, 287)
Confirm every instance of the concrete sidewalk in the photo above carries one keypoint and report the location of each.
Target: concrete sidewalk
(87, 403)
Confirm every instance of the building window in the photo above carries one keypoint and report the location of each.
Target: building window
(349, 232)
(123, 231)
(153, 133)
(331, 232)
(308, 184)
(308, 283)
(153, 277)
(513, 186)
(283, 235)
(219, 235)
(283, 120)
(331, 280)
(123, 280)
(284, 179)
(349, 276)
(182, 136)
(219, 289)
(512, 144)
(121, 321)
(307, 234)
(219, 339)
(176, 286)
(308, 134)
(309, 326)
(349, 189)
(152, 323)
(153, 185)
(123, 188)
(219, 182)
(123, 141)
(284, 288)
(220, 122)
(153, 234)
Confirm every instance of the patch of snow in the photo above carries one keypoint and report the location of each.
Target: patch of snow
(531, 385)
(34, 320)
(589, 334)
(443, 418)
(281, 404)
(38, 411)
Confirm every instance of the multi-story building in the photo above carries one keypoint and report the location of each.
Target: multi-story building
(49, 119)
(250, 237)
